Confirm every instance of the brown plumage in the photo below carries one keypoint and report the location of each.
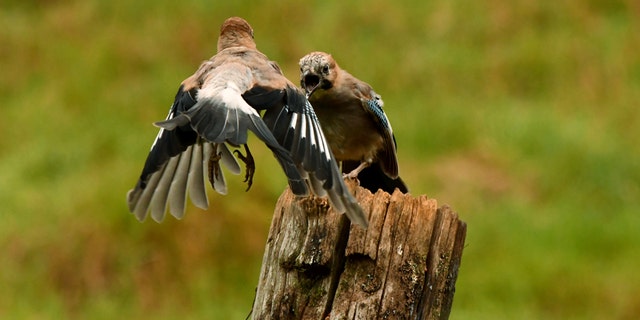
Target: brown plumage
(214, 109)
(353, 120)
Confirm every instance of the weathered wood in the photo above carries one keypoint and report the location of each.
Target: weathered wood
(318, 266)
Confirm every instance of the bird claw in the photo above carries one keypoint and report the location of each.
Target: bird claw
(214, 168)
(250, 165)
(353, 175)
(355, 172)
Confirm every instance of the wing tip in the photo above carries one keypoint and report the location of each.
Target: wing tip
(355, 213)
(133, 197)
(359, 220)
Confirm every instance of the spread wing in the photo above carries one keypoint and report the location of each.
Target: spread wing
(219, 105)
(208, 112)
(296, 127)
(176, 164)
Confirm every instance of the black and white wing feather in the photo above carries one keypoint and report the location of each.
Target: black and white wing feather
(296, 127)
(176, 164)
(388, 158)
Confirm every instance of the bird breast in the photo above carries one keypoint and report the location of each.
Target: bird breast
(349, 129)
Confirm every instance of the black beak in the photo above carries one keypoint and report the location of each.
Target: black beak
(310, 83)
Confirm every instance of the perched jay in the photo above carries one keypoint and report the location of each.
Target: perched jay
(214, 109)
(353, 122)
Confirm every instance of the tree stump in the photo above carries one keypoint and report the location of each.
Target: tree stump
(317, 265)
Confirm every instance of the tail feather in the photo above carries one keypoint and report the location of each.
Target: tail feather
(228, 159)
(142, 197)
(197, 191)
(158, 202)
(178, 192)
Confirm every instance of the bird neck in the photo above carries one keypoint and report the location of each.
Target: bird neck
(235, 39)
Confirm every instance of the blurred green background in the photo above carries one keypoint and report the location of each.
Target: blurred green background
(522, 115)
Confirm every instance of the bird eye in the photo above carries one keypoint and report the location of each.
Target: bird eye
(325, 69)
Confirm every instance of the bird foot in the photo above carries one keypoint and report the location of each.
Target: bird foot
(250, 165)
(351, 175)
(355, 172)
(214, 167)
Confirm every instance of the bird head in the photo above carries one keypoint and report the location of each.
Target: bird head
(317, 71)
(236, 32)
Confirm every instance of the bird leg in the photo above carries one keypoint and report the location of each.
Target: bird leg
(214, 167)
(250, 165)
(355, 172)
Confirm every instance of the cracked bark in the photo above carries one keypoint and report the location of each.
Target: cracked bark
(317, 265)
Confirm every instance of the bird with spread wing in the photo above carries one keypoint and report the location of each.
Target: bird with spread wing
(354, 123)
(213, 110)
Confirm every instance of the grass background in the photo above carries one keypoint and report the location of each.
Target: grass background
(523, 116)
